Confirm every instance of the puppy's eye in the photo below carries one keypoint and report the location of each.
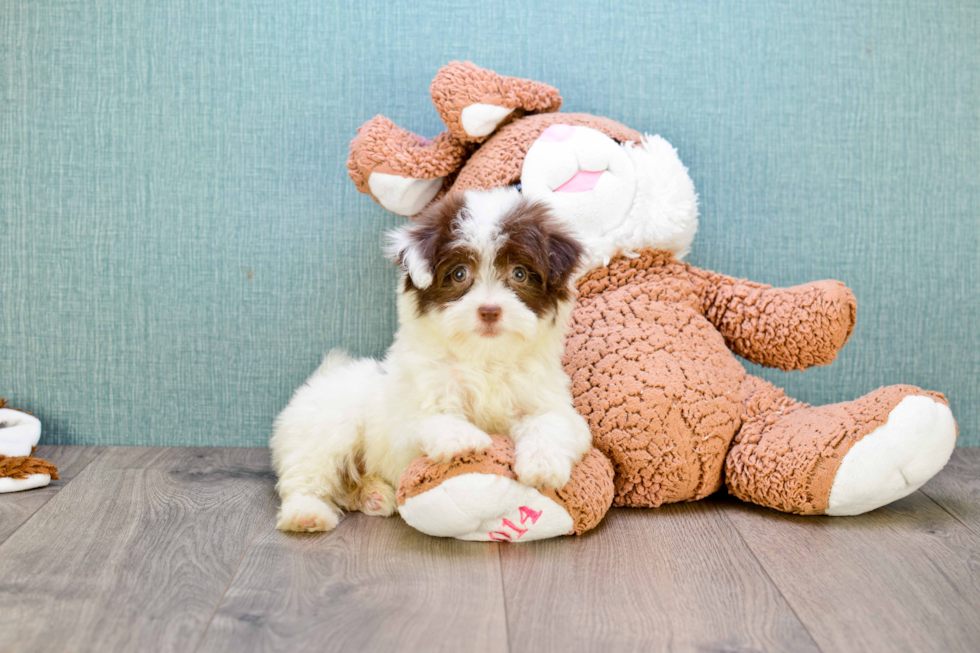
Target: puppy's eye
(519, 274)
(460, 274)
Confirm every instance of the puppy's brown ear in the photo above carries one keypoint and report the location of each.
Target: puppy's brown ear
(474, 102)
(401, 171)
(565, 253)
(417, 246)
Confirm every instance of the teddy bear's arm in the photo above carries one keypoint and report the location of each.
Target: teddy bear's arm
(789, 328)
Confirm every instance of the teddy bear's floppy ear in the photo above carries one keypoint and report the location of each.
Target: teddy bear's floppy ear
(474, 102)
(403, 172)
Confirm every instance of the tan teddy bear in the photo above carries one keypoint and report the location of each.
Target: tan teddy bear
(651, 349)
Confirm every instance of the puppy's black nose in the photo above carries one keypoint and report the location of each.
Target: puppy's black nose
(489, 313)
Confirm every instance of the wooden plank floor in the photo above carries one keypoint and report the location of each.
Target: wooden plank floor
(139, 549)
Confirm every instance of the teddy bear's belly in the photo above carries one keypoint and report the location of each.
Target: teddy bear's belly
(662, 394)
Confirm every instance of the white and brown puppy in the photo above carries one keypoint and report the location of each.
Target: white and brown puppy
(484, 300)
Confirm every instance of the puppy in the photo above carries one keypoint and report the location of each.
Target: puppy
(485, 296)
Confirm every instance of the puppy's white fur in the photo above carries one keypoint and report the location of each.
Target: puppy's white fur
(349, 432)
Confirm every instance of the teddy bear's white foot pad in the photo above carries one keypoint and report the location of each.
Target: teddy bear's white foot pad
(895, 459)
(8, 484)
(486, 507)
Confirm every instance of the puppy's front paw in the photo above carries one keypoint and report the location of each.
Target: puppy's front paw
(542, 466)
(305, 514)
(446, 444)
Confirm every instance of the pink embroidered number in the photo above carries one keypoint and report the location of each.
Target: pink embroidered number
(504, 536)
(528, 513)
(517, 529)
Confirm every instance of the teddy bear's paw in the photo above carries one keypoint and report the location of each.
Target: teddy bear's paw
(303, 513)
(895, 459)
(486, 508)
(376, 497)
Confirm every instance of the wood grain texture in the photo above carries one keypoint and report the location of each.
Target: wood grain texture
(901, 578)
(135, 553)
(373, 584)
(957, 488)
(676, 578)
(175, 549)
(17, 507)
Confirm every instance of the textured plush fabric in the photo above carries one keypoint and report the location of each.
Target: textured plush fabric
(23, 466)
(652, 371)
(786, 455)
(180, 243)
(461, 84)
(423, 474)
(789, 328)
(381, 146)
(587, 495)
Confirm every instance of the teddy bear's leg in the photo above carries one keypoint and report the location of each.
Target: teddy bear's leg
(402, 171)
(473, 101)
(477, 496)
(842, 459)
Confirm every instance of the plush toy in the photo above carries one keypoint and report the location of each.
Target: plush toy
(19, 435)
(652, 344)
(477, 497)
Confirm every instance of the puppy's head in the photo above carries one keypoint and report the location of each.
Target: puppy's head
(487, 266)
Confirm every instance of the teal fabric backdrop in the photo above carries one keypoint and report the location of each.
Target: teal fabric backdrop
(179, 242)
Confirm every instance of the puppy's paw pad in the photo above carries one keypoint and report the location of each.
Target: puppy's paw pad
(378, 500)
(543, 468)
(305, 514)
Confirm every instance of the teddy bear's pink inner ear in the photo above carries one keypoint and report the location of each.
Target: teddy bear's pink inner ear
(403, 195)
(480, 119)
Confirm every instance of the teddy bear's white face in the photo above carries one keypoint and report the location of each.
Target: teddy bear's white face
(618, 198)
(585, 176)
